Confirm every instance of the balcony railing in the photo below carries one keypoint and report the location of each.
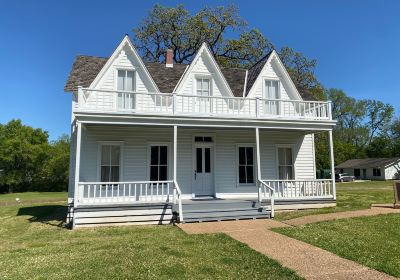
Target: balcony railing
(178, 104)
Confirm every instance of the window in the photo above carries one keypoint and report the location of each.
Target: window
(285, 163)
(126, 82)
(271, 93)
(203, 87)
(110, 163)
(246, 165)
(357, 173)
(158, 162)
(376, 172)
(205, 139)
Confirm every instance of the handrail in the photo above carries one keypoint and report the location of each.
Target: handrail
(272, 196)
(177, 189)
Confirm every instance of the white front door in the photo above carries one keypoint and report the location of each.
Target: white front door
(203, 178)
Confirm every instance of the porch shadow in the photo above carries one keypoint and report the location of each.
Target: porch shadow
(54, 215)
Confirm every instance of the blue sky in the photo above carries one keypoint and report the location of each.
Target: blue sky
(356, 43)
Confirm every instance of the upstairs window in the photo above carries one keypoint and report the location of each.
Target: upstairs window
(110, 163)
(203, 87)
(376, 172)
(285, 163)
(126, 82)
(271, 93)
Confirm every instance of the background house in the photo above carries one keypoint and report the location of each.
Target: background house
(371, 168)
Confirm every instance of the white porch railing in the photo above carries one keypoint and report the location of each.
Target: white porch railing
(264, 192)
(301, 189)
(178, 104)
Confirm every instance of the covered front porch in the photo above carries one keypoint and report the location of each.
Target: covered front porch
(143, 164)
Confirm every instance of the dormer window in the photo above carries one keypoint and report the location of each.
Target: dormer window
(203, 87)
(270, 95)
(126, 82)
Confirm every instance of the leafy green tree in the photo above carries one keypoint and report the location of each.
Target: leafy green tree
(23, 149)
(175, 28)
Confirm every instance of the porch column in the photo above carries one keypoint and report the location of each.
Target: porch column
(258, 163)
(77, 160)
(332, 163)
(175, 149)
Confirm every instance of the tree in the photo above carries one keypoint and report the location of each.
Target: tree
(174, 28)
(379, 117)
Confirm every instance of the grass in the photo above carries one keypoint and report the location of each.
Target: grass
(30, 197)
(371, 241)
(350, 196)
(39, 247)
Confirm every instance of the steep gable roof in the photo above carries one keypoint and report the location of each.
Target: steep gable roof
(236, 79)
(166, 78)
(368, 162)
(255, 70)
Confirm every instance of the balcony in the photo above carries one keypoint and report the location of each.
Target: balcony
(169, 104)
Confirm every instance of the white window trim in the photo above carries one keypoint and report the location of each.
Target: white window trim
(125, 69)
(252, 145)
(264, 88)
(292, 146)
(169, 158)
(202, 76)
(121, 157)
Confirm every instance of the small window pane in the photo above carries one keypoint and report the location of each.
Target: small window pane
(242, 155)
(154, 155)
(105, 155)
(130, 77)
(105, 174)
(121, 80)
(115, 151)
(207, 160)
(199, 160)
(163, 154)
(242, 174)
(154, 173)
(198, 139)
(249, 174)
(162, 173)
(207, 139)
(249, 155)
(288, 154)
(281, 155)
(114, 173)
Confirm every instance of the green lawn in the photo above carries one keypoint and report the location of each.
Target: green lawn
(37, 246)
(371, 241)
(29, 197)
(350, 196)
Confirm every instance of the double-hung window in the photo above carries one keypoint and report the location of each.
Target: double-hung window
(376, 172)
(271, 94)
(110, 163)
(126, 83)
(203, 90)
(285, 163)
(246, 165)
(158, 162)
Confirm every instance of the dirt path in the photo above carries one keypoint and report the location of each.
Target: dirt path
(308, 261)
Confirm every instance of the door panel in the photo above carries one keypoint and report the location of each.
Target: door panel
(203, 171)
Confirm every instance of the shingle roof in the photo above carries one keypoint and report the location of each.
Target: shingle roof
(367, 162)
(85, 69)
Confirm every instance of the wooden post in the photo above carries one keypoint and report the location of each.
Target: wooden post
(77, 160)
(258, 163)
(175, 149)
(332, 164)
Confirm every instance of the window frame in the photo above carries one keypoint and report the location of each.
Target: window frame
(246, 145)
(132, 93)
(292, 147)
(271, 80)
(375, 172)
(203, 77)
(126, 69)
(100, 145)
(148, 165)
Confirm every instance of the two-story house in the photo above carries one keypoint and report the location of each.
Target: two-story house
(155, 142)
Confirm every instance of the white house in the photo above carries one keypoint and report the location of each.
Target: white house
(155, 143)
(371, 168)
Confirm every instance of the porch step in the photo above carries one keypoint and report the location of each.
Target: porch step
(222, 210)
(101, 215)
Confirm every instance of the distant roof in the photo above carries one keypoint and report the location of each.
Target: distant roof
(368, 162)
(85, 69)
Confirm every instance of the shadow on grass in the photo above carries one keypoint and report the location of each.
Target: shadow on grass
(54, 215)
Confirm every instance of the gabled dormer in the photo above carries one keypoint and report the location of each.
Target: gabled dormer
(204, 77)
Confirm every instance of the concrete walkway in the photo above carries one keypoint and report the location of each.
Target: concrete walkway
(306, 260)
(373, 211)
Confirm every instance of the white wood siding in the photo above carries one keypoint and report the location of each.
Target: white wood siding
(135, 153)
